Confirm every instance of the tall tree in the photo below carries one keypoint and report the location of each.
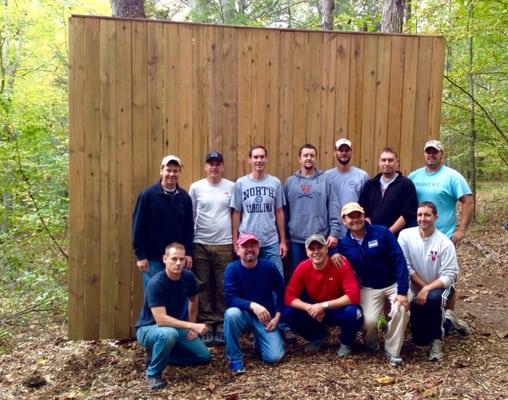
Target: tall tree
(128, 8)
(327, 19)
(392, 17)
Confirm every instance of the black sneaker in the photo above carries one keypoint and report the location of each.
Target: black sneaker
(219, 337)
(155, 382)
(208, 338)
(288, 336)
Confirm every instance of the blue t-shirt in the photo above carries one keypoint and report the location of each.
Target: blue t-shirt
(162, 291)
(444, 188)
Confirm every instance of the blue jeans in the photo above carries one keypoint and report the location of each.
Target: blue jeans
(272, 253)
(170, 346)
(153, 268)
(349, 318)
(298, 254)
(427, 320)
(269, 345)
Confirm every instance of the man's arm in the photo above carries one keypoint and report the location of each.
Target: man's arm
(398, 225)
(465, 218)
(138, 229)
(421, 297)
(236, 218)
(281, 228)
(163, 319)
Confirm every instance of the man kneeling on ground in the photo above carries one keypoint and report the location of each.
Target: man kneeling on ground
(162, 329)
(433, 268)
(249, 287)
(321, 294)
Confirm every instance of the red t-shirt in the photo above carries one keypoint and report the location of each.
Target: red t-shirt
(330, 283)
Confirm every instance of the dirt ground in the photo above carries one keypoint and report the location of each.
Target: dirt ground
(45, 365)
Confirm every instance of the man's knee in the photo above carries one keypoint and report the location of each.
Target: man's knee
(274, 355)
(232, 314)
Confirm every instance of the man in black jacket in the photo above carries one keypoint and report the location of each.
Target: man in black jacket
(389, 198)
(162, 215)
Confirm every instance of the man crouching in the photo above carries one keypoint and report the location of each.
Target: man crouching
(170, 336)
(249, 287)
(320, 294)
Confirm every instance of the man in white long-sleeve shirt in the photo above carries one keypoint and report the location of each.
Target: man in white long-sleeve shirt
(433, 269)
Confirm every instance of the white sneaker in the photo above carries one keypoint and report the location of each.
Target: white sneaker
(458, 324)
(394, 361)
(344, 350)
(436, 350)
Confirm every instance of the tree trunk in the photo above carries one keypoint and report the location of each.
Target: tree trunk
(472, 115)
(393, 16)
(128, 8)
(327, 21)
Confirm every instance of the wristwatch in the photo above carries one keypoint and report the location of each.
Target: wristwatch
(325, 304)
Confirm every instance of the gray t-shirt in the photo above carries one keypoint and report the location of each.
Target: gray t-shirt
(347, 187)
(257, 200)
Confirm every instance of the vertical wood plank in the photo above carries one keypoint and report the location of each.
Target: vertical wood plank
(396, 92)
(258, 79)
(108, 179)
(314, 91)
(407, 131)
(170, 56)
(286, 100)
(76, 178)
(139, 117)
(355, 110)
(124, 161)
(365, 152)
(92, 203)
(436, 86)
(421, 133)
(328, 73)
(343, 97)
(245, 62)
(382, 100)
(156, 105)
(230, 101)
(300, 101)
(199, 99)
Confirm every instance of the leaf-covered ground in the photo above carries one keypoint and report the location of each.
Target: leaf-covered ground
(43, 364)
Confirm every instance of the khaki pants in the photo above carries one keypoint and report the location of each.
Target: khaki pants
(209, 263)
(372, 302)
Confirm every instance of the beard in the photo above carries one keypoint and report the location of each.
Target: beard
(344, 162)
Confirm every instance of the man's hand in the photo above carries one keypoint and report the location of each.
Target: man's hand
(338, 260)
(142, 265)
(316, 311)
(283, 249)
(421, 297)
(273, 323)
(196, 330)
(457, 237)
(331, 241)
(188, 262)
(402, 300)
(261, 312)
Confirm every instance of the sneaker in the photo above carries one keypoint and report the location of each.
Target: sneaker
(236, 367)
(288, 336)
(315, 345)
(344, 350)
(155, 382)
(394, 361)
(208, 337)
(436, 350)
(219, 337)
(372, 347)
(457, 324)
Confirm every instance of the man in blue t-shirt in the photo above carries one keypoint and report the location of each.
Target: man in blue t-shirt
(249, 285)
(168, 335)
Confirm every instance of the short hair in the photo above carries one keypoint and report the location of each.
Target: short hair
(257, 146)
(307, 146)
(174, 245)
(389, 150)
(430, 205)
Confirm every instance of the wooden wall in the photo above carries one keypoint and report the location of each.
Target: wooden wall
(139, 90)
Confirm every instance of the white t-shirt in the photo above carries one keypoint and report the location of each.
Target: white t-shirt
(212, 214)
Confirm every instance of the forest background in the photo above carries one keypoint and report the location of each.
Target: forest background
(34, 113)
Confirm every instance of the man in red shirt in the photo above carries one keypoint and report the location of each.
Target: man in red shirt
(320, 294)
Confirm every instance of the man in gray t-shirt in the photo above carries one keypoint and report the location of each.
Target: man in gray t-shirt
(257, 204)
(346, 180)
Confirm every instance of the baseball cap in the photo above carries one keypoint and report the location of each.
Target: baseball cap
(315, 238)
(436, 144)
(351, 207)
(342, 141)
(171, 158)
(214, 155)
(245, 237)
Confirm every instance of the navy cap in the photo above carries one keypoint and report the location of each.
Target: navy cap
(214, 155)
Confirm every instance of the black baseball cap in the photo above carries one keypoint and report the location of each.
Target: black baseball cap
(214, 155)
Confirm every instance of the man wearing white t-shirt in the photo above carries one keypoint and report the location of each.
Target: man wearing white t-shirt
(212, 248)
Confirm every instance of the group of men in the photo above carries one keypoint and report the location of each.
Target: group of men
(346, 261)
